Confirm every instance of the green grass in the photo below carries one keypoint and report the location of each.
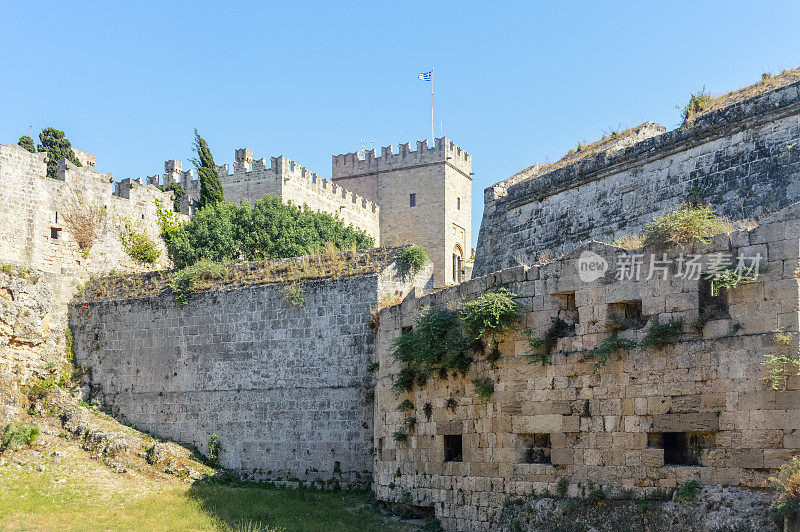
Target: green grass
(79, 494)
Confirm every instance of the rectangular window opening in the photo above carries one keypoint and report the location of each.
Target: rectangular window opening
(683, 448)
(567, 312)
(458, 203)
(453, 450)
(55, 233)
(412, 200)
(534, 448)
(712, 307)
(625, 315)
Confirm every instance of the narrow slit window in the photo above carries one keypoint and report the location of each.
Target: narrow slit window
(412, 200)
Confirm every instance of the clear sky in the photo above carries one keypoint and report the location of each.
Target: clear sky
(516, 84)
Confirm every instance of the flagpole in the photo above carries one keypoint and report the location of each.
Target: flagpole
(433, 141)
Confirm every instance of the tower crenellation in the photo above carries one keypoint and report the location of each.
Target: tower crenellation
(444, 150)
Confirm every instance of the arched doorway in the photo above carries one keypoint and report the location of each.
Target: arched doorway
(458, 264)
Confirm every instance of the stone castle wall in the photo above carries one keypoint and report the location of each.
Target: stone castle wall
(35, 231)
(743, 159)
(440, 179)
(284, 385)
(252, 179)
(613, 425)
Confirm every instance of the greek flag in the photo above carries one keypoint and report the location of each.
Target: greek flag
(425, 76)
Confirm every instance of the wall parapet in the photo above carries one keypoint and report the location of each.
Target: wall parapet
(443, 151)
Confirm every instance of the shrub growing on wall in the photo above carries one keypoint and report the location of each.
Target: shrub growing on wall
(444, 339)
(685, 224)
(178, 191)
(138, 245)
(413, 259)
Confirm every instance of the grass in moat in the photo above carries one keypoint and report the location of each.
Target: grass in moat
(78, 493)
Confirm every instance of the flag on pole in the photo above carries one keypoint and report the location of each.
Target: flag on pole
(425, 76)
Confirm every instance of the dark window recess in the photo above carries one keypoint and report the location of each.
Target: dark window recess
(453, 448)
(56, 216)
(412, 200)
(682, 448)
(535, 448)
(712, 307)
(567, 309)
(55, 233)
(625, 315)
(458, 203)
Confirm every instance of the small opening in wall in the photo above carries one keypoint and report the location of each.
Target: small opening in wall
(712, 307)
(683, 448)
(142, 216)
(453, 448)
(56, 217)
(458, 204)
(567, 309)
(55, 233)
(412, 200)
(534, 448)
(625, 315)
(407, 329)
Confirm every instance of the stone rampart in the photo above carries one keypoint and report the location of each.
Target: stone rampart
(743, 159)
(649, 419)
(278, 370)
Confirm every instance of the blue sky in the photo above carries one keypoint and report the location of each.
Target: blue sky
(516, 84)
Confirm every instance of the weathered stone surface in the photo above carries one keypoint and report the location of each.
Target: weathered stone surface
(744, 160)
(283, 384)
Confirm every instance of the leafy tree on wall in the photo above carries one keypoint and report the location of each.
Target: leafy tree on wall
(267, 230)
(210, 185)
(26, 142)
(57, 147)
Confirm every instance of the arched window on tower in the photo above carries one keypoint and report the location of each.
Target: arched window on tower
(458, 264)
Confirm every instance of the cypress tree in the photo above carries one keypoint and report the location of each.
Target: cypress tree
(26, 142)
(210, 185)
(57, 147)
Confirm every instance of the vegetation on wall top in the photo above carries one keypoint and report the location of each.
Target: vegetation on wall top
(685, 224)
(413, 259)
(267, 230)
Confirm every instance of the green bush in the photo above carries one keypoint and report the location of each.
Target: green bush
(685, 224)
(688, 491)
(18, 435)
(542, 348)
(412, 259)
(786, 483)
(267, 230)
(608, 347)
(188, 280)
(57, 147)
(663, 334)
(730, 278)
(139, 246)
(490, 314)
(779, 369)
(698, 102)
(178, 193)
(435, 343)
(214, 450)
(26, 142)
(484, 388)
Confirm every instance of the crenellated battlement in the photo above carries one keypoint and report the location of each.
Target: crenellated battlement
(444, 151)
(257, 175)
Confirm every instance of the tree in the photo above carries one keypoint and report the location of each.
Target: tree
(57, 147)
(210, 186)
(26, 142)
(267, 230)
(178, 191)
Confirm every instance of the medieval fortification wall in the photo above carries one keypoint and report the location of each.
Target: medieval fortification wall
(284, 383)
(252, 179)
(743, 159)
(651, 418)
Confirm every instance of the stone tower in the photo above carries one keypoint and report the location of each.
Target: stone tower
(425, 197)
